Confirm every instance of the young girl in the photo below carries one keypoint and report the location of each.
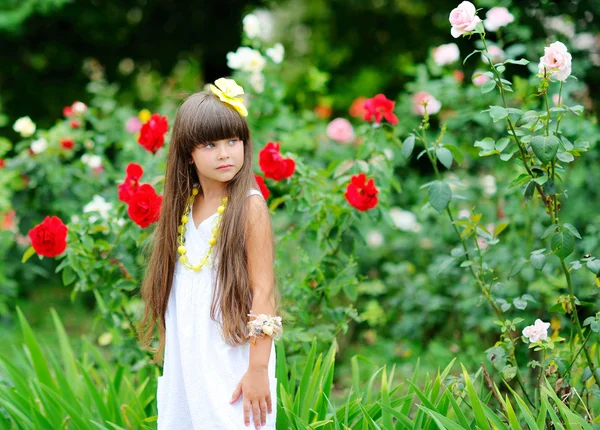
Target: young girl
(210, 283)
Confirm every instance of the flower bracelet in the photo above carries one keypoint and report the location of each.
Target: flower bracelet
(264, 325)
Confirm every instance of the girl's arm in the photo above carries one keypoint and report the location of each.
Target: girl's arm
(259, 249)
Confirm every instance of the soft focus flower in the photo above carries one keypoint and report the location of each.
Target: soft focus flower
(79, 108)
(273, 164)
(92, 161)
(405, 220)
(464, 213)
(276, 53)
(265, 19)
(245, 59)
(458, 75)
(380, 107)
(340, 130)
(39, 145)
(144, 115)
(24, 126)
(49, 238)
(152, 133)
(133, 125)
(74, 123)
(479, 78)
(536, 332)
(2, 163)
(323, 111)
(497, 17)
(251, 26)
(362, 194)
(420, 98)
(257, 81)
(144, 206)
(357, 108)
(8, 221)
(67, 143)
(463, 19)
(556, 99)
(227, 90)
(100, 205)
(560, 24)
(488, 185)
(374, 238)
(131, 183)
(445, 54)
(495, 52)
(263, 187)
(482, 243)
(556, 61)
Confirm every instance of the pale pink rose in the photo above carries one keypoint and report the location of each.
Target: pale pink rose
(133, 125)
(537, 331)
(340, 130)
(556, 99)
(556, 61)
(446, 54)
(421, 97)
(481, 79)
(495, 52)
(497, 17)
(483, 243)
(463, 19)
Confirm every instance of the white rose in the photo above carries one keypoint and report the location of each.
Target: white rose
(79, 108)
(276, 53)
(556, 61)
(488, 185)
(38, 146)
(24, 126)
(463, 19)
(251, 26)
(374, 239)
(246, 59)
(257, 80)
(536, 332)
(446, 54)
(100, 205)
(497, 17)
(405, 220)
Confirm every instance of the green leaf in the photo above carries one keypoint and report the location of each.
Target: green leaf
(487, 146)
(478, 411)
(444, 156)
(517, 267)
(572, 229)
(528, 192)
(594, 267)
(522, 62)
(440, 195)
(68, 276)
(563, 243)
(498, 113)
(538, 261)
(28, 254)
(408, 146)
(545, 147)
(488, 86)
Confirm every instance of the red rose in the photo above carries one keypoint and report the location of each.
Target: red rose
(131, 183)
(273, 164)
(263, 187)
(378, 107)
(144, 206)
(2, 163)
(362, 194)
(67, 111)
(152, 134)
(67, 143)
(49, 238)
(75, 124)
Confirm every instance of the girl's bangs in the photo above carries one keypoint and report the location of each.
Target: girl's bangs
(217, 122)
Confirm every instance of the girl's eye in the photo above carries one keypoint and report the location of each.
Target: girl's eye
(233, 141)
(209, 144)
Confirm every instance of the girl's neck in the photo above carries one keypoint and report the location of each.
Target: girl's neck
(212, 190)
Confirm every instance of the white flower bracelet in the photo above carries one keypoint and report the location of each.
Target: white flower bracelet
(264, 325)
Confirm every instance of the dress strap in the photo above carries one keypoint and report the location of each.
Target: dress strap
(253, 191)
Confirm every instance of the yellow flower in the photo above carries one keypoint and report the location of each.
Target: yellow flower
(144, 115)
(227, 90)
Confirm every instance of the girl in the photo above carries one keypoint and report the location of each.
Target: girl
(210, 282)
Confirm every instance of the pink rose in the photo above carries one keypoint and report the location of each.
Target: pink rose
(536, 332)
(481, 79)
(556, 61)
(445, 54)
(463, 19)
(421, 97)
(340, 130)
(497, 17)
(495, 52)
(556, 99)
(133, 125)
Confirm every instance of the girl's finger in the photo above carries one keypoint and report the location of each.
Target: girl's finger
(246, 412)
(263, 412)
(256, 414)
(269, 406)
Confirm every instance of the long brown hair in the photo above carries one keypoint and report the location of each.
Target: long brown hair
(202, 118)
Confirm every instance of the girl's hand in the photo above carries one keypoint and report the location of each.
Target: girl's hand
(257, 395)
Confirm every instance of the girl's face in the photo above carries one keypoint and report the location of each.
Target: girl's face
(219, 160)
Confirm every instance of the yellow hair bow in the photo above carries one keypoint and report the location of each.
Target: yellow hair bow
(227, 90)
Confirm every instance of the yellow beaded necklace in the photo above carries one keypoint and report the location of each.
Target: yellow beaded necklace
(212, 241)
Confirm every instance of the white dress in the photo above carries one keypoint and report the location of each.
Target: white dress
(200, 370)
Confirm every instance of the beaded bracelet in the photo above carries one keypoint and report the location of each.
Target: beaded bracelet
(264, 325)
